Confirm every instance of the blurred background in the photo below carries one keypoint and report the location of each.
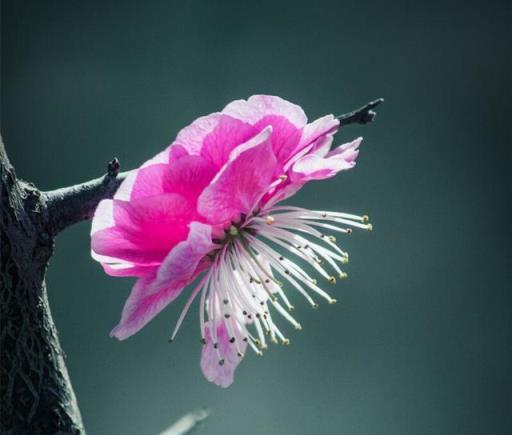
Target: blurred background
(421, 341)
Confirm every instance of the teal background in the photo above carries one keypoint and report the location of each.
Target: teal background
(420, 342)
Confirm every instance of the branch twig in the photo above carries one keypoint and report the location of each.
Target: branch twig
(363, 115)
(73, 204)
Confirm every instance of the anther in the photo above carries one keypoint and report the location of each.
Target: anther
(227, 316)
(291, 308)
(244, 313)
(298, 327)
(286, 341)
(332, 280)
(333, 301)
(269, 220)
(314, 306)
(281, 258)
(246, 339)
(283, 177)
(240, 354)
(324, 215)
(365, 219)
(203, 340)
(233, 231)
(221, 362)
(370, 227)
(262, 303)
(349, 231)
(215, 345)
(343, 275)
(344, 260)
(332, 239)
(232, 340)
(225, 301)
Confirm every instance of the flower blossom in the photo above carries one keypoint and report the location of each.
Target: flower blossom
(206, 210)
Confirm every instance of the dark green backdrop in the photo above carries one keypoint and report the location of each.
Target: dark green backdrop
(421, 341)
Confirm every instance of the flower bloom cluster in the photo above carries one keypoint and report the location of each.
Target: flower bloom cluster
(207, 210)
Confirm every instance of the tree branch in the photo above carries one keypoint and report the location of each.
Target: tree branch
(363, 115)
(73, 204)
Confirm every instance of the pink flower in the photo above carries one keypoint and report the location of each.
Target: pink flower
(205, 209)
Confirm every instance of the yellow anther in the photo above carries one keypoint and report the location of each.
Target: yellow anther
(269, 220)
(283, 177)
(233, 231)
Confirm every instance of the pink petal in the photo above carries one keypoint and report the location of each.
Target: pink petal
(191, 138)
(150, 181)
(315, 167)
(226, 136)
(285, 135)
(221, 375)
(151, 294)
(181, 265)
(319, 127)
(144, 230)
(241, 182)
(189, 175)
(259, 106)
(120, 268)
(125, 189)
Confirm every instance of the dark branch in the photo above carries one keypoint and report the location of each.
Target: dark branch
(363, 115)
(73, 204)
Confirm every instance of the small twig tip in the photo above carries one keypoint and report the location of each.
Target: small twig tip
(113, 167)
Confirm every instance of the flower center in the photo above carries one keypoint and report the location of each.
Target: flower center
(277, 246)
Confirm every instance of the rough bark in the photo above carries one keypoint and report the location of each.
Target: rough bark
(36, 393)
